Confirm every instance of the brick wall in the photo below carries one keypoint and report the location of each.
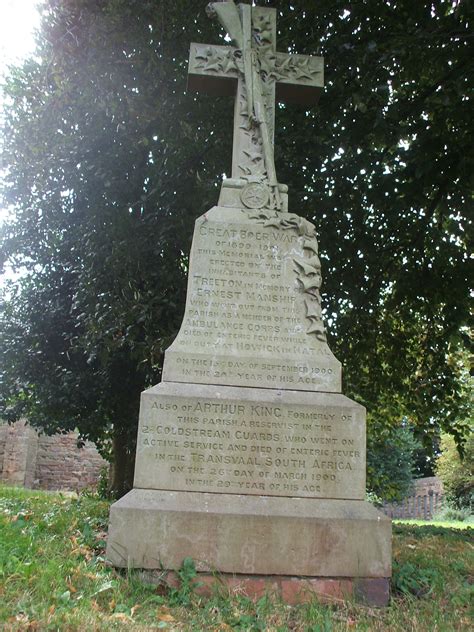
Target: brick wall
(3, 440)
(40, 462)
(424, 503)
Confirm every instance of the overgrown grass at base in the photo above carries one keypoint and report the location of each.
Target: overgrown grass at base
(53, 577)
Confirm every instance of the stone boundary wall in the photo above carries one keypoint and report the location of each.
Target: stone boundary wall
(425, 501)
(28, 459)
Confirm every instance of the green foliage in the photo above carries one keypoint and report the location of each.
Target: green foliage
(454, 513)
(109, 163)
(410, 579)
(372, 498)
(390, 462)
(457, 472)
(187, 574)
(103, 484)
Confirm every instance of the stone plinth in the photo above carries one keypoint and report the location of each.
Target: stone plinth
(264, 487)
(250, 535)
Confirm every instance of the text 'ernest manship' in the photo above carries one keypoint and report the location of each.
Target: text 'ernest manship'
(210, 445)
(246, 308)
(246, 269)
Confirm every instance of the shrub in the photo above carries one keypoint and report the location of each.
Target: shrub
(454, 513)
(456, 472)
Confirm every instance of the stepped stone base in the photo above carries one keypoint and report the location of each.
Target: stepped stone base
(372, 591)
(254, 535)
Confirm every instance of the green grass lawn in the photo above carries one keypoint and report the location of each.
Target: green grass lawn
(53, 577)
(448, 524)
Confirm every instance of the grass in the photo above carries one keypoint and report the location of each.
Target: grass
(53, 577)
(448, 524)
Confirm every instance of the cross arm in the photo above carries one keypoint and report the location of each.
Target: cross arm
(215, 70)
(212, 69)
(299, 78)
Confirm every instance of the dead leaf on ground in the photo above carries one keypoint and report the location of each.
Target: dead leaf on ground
(120, 616)
(21, 515)
(163, 614)
(166, 617)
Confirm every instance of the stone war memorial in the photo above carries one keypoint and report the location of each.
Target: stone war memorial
(250, 460)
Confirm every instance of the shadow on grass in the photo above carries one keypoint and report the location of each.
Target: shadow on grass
(427, 531)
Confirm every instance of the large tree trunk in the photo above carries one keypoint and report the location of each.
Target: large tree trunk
(121, 480)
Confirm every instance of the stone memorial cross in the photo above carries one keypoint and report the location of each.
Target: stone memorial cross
(248, 439)
(257, 75)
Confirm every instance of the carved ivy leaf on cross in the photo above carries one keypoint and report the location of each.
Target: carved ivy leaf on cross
(212, 60)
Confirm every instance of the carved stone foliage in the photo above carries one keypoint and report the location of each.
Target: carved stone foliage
(262, 31)
(273, 66)
(254, 130)
(252, 163)
(295, 68)
(219, 60)
(307, 269)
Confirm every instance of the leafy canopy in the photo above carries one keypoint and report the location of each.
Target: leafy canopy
(109, 162)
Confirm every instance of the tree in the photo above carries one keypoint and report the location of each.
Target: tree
(109, 163)
(391, 463)
(456, 471)
(104, 285)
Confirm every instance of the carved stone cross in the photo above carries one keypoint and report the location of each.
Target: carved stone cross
(256, 75)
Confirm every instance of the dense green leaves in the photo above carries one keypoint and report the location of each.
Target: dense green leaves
(109, 163)
(391, 462)
(457, 472)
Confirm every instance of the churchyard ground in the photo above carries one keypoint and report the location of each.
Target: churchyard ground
(53, 577)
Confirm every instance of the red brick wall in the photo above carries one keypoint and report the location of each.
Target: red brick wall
(3, 437)
(37, 461)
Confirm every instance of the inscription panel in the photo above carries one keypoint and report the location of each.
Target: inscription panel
(216, 444)
(245, 307)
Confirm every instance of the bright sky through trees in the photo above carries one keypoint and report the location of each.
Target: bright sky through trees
(18, 20)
